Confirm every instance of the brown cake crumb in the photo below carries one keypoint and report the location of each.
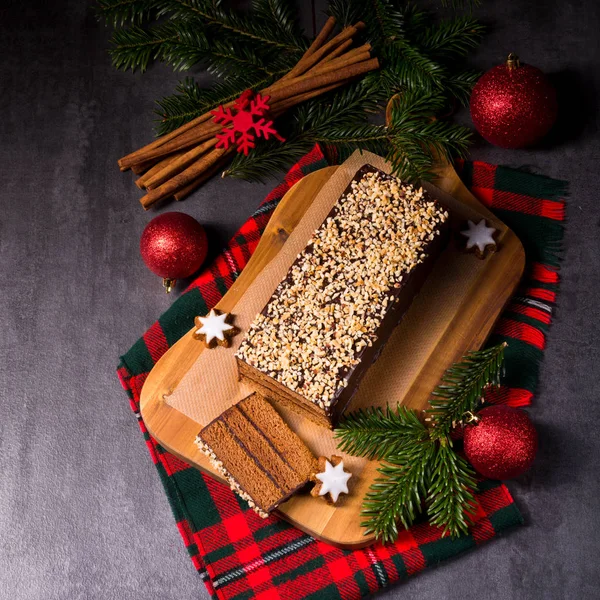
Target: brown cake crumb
(261, 458)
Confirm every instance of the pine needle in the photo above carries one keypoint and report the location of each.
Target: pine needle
(380, 433)
(421, 472)
(461, 389)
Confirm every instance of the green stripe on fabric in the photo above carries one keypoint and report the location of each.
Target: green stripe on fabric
(523, 182)
(330, 592)
(487, 484)
(514, 316)
(541, 238)
(545, 285)
(361, 582)
(179, 319)
(221, 285)
(521, 361)
(308, 567)
(400, 566)
(193, 550)
(265, 532)
(243, 596)
(506, 517)
(200, 509)
(445, 547)
(138, 359)
(314, 166)
(219, 553)
(242, 504)
(172, 493)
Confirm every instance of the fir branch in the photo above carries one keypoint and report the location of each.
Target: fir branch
(191, 100)
(268, 158)
(383, 18)
(462, 385)
(416, 140)
(379, 433)
(398, 495)
(412, 69)
(460, 85)
(253, 49)
(415, 20)
(457, 4)
(448, 40)
(373, 138)
(135, 47)
(282, 15)
(411, 143)
(384, 21)
(208, 13)
(450, 502)
(221, 58)
(347, 106)
(420, 466)
(121, 12)
(346, 12)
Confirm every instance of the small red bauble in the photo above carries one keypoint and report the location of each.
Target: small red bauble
(173, 245)
(513, 105)
(502, 444)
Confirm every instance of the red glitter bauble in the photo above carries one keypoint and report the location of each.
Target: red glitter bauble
(502, 444)
(173, 245)
(513, 105)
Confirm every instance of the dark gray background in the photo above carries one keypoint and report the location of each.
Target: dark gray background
(82, 512)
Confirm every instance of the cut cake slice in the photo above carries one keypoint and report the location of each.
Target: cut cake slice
(261, 458)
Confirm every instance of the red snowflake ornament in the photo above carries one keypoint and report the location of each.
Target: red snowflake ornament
(238, 127)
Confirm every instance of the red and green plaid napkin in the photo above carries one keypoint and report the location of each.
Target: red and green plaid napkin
(238, 554)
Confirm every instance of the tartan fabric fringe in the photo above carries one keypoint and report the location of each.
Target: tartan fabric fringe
(239, 555)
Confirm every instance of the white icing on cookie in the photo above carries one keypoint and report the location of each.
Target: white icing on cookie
(214, 326)
(479, 235)
(334, 480)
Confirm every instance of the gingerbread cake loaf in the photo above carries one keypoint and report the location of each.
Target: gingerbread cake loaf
(343, 295)
(261, 458)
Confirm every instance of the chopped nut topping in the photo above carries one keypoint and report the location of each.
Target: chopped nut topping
(336, 294)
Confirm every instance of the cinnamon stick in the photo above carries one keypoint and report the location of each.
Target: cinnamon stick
(141, 181)
(337, 52)
(311, 60)
(179, 164)
(306, 83)
(280, 107)
(184, 178)
(142, 167)
(176, 164)
(346, 56)
(317, 43)
(126, 161)
(184, 192)
(340, 63)
(189, 138)
(292, 87)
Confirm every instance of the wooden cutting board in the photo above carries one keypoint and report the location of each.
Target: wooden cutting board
(420, 349)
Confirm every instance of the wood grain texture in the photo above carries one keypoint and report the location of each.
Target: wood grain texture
(489, 289)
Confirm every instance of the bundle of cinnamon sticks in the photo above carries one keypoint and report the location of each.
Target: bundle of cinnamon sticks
(177, 163)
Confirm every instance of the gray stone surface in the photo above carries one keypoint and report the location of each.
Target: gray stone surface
(82, 513)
